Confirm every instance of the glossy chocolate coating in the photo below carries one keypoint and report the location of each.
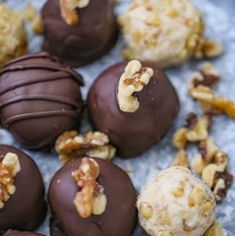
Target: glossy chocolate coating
(133, 133)
(119, 217)
(39, 99)
(21, 233)
(84, 42)
(26, 208)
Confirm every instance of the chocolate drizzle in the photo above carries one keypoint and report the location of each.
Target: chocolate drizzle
(39, 80)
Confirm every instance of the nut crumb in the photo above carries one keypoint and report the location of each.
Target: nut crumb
(181, 159)
(9, 167)
(68, 10)
(91, 198)
(214, 230)
(71, 145)
(132, 81)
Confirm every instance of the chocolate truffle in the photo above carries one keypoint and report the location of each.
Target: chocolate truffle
(165, 32)
(39, 99)
(18, 233)
(22, 205)
(176, 203)
(13, 37)
(90, 196)
(84, 30)
(134, 105)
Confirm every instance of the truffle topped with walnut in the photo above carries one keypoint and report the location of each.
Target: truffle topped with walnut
(22, 205)
(176, 203)
(134, 104)
(164, 31)
(97, 197)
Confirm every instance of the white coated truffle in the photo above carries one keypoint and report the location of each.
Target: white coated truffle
(13, 41)
(176, 203)
(163, 31)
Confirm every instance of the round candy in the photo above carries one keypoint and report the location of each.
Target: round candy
(92, 197)
(161, 31)
(134, 118)
(39, 99)
(176, 203)
(19, 233)
(92, 34)
(22, 205)
(13, 37)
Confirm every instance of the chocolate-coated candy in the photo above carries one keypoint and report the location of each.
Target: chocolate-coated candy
(39, 99)
(133, 133)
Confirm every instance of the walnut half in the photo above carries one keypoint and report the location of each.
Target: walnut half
(91, 198)
(9, 167)
(68, 10)
(71, 145)
(132, 81)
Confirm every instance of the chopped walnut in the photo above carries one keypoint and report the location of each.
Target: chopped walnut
(196, 130)
(9, 167)
(201, 89)
(131, 82)
(68, 10)
(34, 18)
(71, 145)
(214, 230)
(212, 164)
(208, 49)
(146, 211)
(181, 159)
(91, 198)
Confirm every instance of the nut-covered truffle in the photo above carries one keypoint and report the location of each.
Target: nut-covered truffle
(84, 29)
(25, 207)
(133, 119)
(13, 41)
(176, 203)
(163, 31)
(40, 98)
(21, 233)
(90, 196)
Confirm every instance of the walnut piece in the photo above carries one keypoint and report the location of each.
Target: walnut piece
(208, 49)
(212, 164)
(200, 88)
(195, 130)
(68, 10)
(131, 82)
(34, 18)
(181, 159)
(146, 211)
(214, 230)
(91, 198)
(9, 167)
(71, 145)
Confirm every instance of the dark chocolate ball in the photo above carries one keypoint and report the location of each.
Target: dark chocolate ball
(119, 217)
(21, 233)
(84, 42)
(39, 99)
(133, 133)
(26, 208)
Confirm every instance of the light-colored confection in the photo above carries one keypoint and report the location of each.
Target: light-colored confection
(13, 41)
(176, 203)
(163, 31)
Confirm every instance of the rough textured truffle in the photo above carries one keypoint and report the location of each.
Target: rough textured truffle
(21, 233)
(79, 44)
(133, 133)
(176, 203)
(39, 99)
(13, 37)
(26, 208)
(119, 217)
(161, 31)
